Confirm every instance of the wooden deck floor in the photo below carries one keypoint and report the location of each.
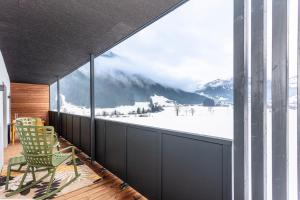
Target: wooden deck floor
(108, 188)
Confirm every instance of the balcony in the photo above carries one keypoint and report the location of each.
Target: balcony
(44, 42)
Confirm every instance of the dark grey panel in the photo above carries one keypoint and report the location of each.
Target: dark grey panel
(191, 169)
(54, 122)
(50, 118)
(69, 136)
(115, 149)
(280, 99)
(63, 125)
(227, 172)
(240, 93)
(85, 135)
(100, 142)
(144, 162)
(76, 130)
(50, 38)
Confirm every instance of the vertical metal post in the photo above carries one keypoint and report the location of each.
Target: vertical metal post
(92, 101)
(258, 98)
(280, 99)
(240, 98)
(58, 105)
(298, 102)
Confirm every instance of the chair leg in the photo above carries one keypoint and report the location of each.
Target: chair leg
(74, 163)
(23, 178)
(21, 189)
(49, 194)
(20, 167)
(33, 174)
(51, 180)
(7, 176)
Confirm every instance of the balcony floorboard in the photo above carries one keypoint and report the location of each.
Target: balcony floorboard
(108, 188)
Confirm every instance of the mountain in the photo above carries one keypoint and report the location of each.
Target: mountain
(219, 90)
(117, 88)
(222, 91)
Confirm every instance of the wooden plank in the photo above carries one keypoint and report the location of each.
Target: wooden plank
(258, 98)
(108, 188)
(29, 100)
(240, 98)
(280, 99)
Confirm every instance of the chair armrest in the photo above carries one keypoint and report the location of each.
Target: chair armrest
(69, 147)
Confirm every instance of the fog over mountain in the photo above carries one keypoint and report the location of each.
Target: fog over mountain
(117, 88)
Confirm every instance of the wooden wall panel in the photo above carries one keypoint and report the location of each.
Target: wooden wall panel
(29, 100)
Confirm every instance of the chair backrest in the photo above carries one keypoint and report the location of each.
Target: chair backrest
(37, 142)
(26, 121)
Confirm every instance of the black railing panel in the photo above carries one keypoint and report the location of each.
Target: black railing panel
(100, 142)
(115, 149)
(159, 163)
(50, 117)
(69, 136)
(144, 161)
(64, 125)
(193, 167)
(76, 131)
(85, 135)
(55, 122)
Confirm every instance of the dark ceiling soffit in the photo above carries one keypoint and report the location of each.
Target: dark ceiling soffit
(129, 35)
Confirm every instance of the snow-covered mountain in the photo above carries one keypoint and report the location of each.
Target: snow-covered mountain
(222, 91)
(118, 88)
(219, 90)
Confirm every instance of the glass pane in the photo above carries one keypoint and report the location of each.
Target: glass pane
(75, 91)
(174, 74)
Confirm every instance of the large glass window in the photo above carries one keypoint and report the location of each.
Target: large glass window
(74, 92)
(174, 74)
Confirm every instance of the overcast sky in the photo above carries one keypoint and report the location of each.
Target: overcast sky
(191, 45)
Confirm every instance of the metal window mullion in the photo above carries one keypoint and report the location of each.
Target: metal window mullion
(280, 100)
(92, 102)
(298, 102)
(240, 98)
(258, 98)
(58, 105)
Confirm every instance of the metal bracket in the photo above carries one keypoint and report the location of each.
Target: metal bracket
(123, 186)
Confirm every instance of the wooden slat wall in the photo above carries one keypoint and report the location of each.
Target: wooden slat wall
(29, 100)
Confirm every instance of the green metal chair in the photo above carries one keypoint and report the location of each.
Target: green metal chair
(31, 121)
(26, 121)
(20, 160)
(37, 142)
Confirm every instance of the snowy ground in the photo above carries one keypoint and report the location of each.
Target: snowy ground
(216, 122)
(213, 122)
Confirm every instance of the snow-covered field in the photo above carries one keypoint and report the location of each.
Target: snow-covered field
(215, 122)
(210, 121)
